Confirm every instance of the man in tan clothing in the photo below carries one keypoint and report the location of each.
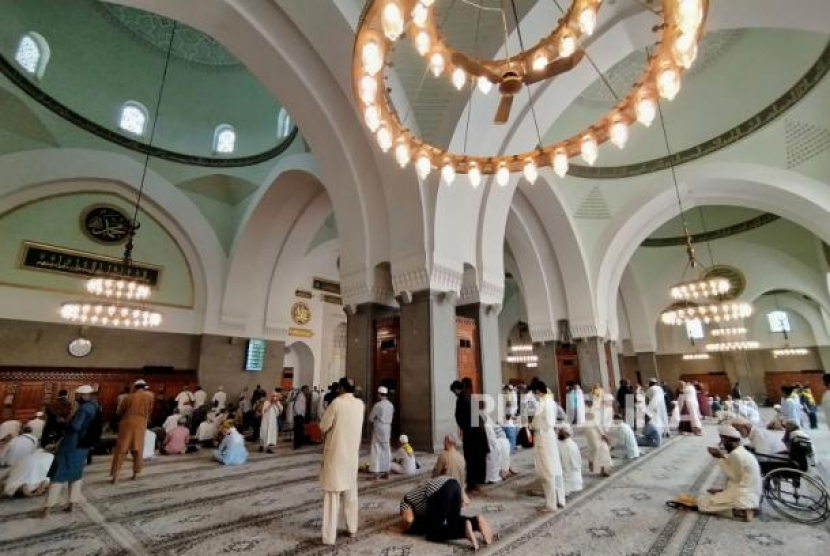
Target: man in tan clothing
(135, 414)
(451, 463)
(342, 425)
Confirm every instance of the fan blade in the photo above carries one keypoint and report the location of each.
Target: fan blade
(473, 68)
(556, 67)
(503, 112)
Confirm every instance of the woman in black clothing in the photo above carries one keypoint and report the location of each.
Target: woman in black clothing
(433, 509)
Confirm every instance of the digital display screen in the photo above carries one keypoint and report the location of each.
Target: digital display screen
(255, 355)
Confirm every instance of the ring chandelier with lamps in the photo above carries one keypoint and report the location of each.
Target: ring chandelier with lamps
(695, 356)
(386, 21)
(734, 331)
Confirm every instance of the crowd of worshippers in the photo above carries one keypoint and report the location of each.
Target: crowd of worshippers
(52, 449)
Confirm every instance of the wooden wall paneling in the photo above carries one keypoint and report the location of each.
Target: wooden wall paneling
(813, 378)
(567, 365)
(469, 355)
(717, 384)
(388, 366)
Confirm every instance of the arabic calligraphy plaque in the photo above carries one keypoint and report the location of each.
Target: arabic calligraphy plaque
(105, 224)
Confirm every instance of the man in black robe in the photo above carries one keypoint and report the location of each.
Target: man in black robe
(473, 435)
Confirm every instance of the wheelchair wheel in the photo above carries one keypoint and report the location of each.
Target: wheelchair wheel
(797, 496)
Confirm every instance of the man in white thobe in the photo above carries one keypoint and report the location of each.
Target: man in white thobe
(380, 454)
(342, 425)
(571, 460)
(761, 440)
(28, 476)
(269, 428)
(656, 407)
(18, 448)
(199, 397)
(220, 397)
(37, 424)
(9, 429)
(546, 450)
(742, 493)
(184, 401)
(625, 441)
(575, 405)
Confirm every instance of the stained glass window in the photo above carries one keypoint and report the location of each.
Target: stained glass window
(133, 118)
(694, 329)
(778, 321)
(284, 124)
(32, 54)
(224, 139)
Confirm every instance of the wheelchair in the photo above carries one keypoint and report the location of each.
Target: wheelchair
(789, 488)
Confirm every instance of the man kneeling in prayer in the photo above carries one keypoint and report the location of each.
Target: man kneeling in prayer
(404, 462)
(433, 508)
(742, 494)
(28, 477)
(232, 449)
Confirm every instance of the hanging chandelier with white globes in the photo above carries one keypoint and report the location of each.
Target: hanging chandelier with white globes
(385, 21)
(695, 356)
(789, 352)
(731, 331)
(116, 314)
(710, 313)
(702, 289)
(733, 346)
(120, 288)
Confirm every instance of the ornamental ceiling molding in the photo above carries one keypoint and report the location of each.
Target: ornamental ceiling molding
(765, 116)
(721, 233)
(153, 31)
(62, 111)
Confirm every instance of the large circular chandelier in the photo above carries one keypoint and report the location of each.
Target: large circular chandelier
(123, 288)
(788, 352)
(385, 21)
(680, 314)
(731, 331)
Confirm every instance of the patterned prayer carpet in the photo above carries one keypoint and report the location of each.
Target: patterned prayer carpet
(187, 505)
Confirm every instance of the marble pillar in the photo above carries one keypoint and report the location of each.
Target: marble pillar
(428, 354)
(647, 365)
(547, 371)
(614, 361)
(592, 367)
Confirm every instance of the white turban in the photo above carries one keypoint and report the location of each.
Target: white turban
(729, 432)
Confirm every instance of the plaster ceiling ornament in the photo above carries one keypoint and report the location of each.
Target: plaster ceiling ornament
(386, 21)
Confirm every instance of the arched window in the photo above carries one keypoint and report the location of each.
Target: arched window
(133, 117)
(694, 329)
(224, 139)
(33, 54)
(778, 321)
(284, 124)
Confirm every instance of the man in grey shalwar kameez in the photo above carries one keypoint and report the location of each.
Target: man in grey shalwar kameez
(380, 455)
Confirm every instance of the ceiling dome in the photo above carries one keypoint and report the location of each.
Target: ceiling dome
(102, 66)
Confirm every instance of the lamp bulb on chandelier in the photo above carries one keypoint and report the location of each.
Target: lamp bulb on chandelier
(436, 64)
(419, 15)
(567, 45)
(392, 21)
(423, 165)
(588, 20)
(448, 172)
(474, 174)
(560, 163)
(668, 83)
(384, 137)
(484, 84)
(646, 110)
(530, 171)
(372, 57)
(688, 15)
(402, 153)
(372, 117)
(368, 89)
(619, 133)
(502, 175)
(540, 62)
(427, 3)
(422, 42)
(588, 148)
(458, 78)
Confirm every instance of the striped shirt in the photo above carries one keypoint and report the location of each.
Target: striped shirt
(417, 498)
